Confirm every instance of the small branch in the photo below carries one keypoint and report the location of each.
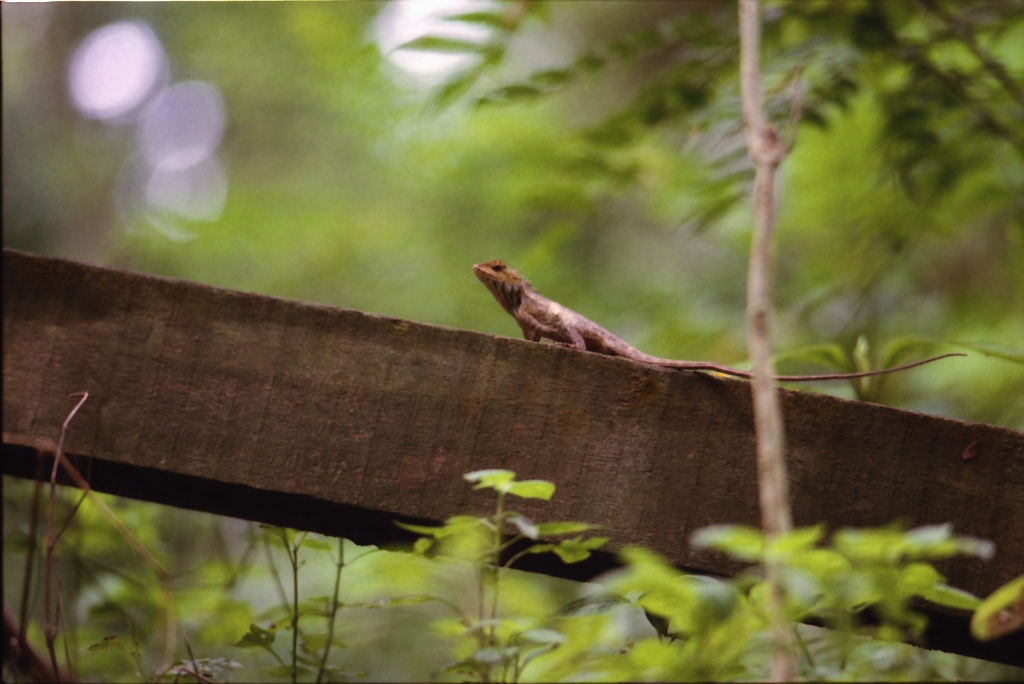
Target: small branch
(63, 627)
(293, 554)
(167, 582)
(766, 154)
(22, 657)
(50, 629)
(71, 516)
(192, 657)
(773, 486)
(334, 611)
(30, 551)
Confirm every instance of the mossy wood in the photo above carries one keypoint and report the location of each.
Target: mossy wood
(334, 420)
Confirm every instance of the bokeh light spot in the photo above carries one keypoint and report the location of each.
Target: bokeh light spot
(115, 69)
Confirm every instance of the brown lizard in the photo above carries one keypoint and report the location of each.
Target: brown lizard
(540, 318)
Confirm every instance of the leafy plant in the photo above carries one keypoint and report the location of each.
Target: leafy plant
(503, 646)
(648, 620)
(311, 644)
(714, 629)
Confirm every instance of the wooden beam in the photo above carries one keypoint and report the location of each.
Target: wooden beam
(384, 415)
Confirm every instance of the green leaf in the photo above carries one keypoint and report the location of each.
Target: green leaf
(574, 550)
(321, 606)
(419, 529)
(862, 355)
(495, 479)
(489, 656)
(590, 63)
(275, 613)
(1001, 613)
(740, 541)
(795, 542)
(540, 11)
(551, 528)
(713, 599)
(443, 44)
(938, 541)
(981, 548)
(822, 562)
(525, 526)
(917, 578)
(493, 19)
(945, 595)
(831, 355)
(544, 636)
(929, 536)
(902, 347)
(280, 534)
(622, 48)
(411, 599)
(801, 589)
(512, 92)
(613, 133)
(458, 524)
(546, 648)
(595, 604)
(256, 637)
(109, 643)
(1000, 351)
(891, 545)
(876, 545)
(455, 87)
(455, 525)
(316, 545)
(648, 39)
(312, 643)
(646, 570)
(533, 489)
(467, 666)
(540, 548)
(552, 77)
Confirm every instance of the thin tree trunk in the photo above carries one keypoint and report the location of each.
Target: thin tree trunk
(773, 485)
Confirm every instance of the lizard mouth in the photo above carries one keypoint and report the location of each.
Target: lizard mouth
(493, 275)
(496, 266)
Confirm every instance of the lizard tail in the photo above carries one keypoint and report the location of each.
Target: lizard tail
(848, 376)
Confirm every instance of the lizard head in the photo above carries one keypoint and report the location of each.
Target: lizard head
(505, 284)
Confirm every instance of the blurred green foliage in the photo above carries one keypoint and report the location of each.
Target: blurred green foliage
(597, 148)
(271, 604)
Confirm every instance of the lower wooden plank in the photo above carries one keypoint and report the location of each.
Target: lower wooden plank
(945, 632)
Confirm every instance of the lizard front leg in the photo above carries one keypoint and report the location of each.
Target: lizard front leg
(573, 334)
(535, 331)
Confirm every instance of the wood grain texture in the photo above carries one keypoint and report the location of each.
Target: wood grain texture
(386, 415)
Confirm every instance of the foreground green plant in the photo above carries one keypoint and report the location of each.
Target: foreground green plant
(310, 650)
(859, 586)
(478, 618)
(717, 629)
(499, 648)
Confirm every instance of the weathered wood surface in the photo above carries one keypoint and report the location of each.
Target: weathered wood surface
(373, 413)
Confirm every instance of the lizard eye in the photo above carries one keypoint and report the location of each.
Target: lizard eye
(499, 267)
